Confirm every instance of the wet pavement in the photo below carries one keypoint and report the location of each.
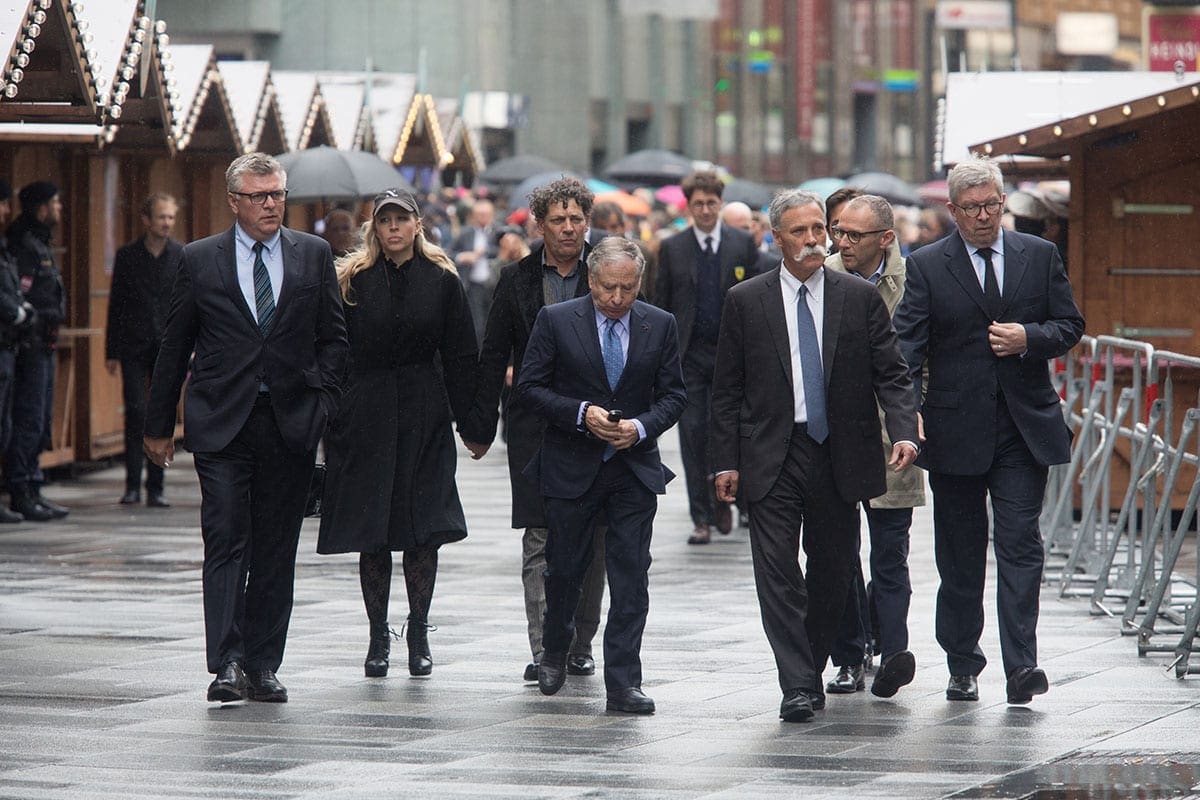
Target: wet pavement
(102, 683)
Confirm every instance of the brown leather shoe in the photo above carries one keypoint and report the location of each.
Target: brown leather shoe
(723, 518)
(701, 535)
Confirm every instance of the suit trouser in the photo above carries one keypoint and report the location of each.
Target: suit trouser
(629, 507)
(801, 619)
(33, 400)
(1017, 485)
(886, 603)
(587, 614)
(8, 369)
(698, 367)
(135, 386)
(252, 504)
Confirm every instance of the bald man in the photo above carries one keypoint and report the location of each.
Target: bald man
(737, 214)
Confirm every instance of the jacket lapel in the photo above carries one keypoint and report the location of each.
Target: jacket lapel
(288, 251)
(835, 297)
(589, 337)
(228, 269)
(529, 288)
(958, 262)
(1016, 262)
(772, 302)
(639, 332)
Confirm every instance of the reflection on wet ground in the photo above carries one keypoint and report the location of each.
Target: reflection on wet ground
(102, 683)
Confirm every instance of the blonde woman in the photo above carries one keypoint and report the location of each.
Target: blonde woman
(390, 453)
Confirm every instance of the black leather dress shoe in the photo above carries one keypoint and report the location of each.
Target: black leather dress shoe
(157, 500)
(962, 687)
(25, 504)
(894, 671)
(531, 671)
(54, 508)
(796, 706)
(580, 664)
(131, 498)
(265, 687)
(847, 681)
(229, 686)
(552, 672)
(630, 701)
(8, 517)
(1025, 683)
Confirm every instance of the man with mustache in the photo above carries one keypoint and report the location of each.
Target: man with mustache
(803, 356)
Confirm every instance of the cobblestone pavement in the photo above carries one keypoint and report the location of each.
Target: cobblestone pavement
(102, 683)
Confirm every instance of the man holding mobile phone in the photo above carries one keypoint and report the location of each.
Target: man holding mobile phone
(587, 357)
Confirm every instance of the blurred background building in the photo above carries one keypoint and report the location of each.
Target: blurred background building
(775, 90)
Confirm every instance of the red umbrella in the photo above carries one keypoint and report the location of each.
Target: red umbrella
(631, 204)
(934, 192)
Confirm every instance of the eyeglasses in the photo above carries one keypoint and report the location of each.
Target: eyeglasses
(992, 207)
(854, 237)
(259, 198)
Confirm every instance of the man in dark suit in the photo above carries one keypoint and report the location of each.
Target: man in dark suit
(555, 271)
(739, 215)
(603, 371)
(696, 267)
(984, 310)
(474, 251)
(259, 307)
(803, 358)
(138, 302)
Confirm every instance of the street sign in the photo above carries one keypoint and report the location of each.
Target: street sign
(1171, 36)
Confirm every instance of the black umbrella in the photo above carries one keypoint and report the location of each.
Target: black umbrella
(888, 186)
(326, 173)
(650, 168)
(519, 197)
(752, 194)
(515, 169)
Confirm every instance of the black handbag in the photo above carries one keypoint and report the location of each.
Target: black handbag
(316, 491)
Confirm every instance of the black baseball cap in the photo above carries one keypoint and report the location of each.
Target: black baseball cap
(401, 198)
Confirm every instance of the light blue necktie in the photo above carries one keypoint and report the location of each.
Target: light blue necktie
(264, 298)
(810, 369)
(614, 363)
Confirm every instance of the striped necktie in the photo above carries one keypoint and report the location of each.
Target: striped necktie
(264, 298)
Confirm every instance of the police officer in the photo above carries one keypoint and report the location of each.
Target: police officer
(33, 399)
(16, 318)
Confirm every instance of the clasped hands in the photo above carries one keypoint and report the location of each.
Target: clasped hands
(621, 434)
(1007, 339)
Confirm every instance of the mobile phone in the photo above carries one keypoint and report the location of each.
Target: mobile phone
(614, 415)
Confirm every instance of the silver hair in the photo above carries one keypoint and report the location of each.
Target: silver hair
(881, 209)
(792, 198)
(253, 164)
(976, 171)
(613, 250)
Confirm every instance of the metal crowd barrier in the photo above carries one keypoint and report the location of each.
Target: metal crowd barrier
(1124, 554)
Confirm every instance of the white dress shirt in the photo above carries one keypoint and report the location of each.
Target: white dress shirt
(790, 287)
(715, 233)
(272, 256)
(997, 262)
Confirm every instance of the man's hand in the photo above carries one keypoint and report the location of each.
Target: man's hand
(627, 435)
(508, 376)
(1007, 339)
(903, 454)
(920, 428)
(159, 450)
(477, 450)
(111, 365)
(595, 419)
(726, 485)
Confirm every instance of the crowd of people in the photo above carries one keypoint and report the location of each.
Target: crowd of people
(822, 357)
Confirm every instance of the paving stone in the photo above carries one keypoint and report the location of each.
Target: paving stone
(102, 681)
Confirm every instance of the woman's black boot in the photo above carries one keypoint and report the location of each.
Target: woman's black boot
(376, 665)
(420, 662)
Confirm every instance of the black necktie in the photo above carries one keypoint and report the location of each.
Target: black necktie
(991, 289)
(708, 248)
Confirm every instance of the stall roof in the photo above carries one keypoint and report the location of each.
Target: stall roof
(252, 99)
(1054, 140)
(1033, 99)
(207, 122)
(460, 140)
(302, 109)
(149, 115)
(345, 96)
(421, 142)
(49, 72)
